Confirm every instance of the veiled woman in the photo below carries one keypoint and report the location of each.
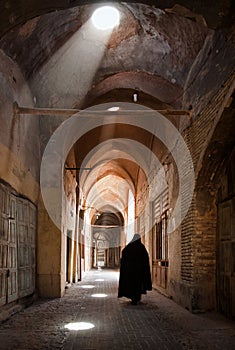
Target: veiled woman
(135, 276)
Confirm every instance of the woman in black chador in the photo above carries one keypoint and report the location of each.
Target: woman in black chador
(135, 277)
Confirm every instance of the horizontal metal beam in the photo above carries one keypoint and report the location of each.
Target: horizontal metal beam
(68, 112)
(43, 111)
(78, 168)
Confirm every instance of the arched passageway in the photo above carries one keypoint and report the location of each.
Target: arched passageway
(74, 187)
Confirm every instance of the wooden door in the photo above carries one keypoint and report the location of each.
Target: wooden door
(8, 247)
(26, 220)
(160, 241)
(226, 258)
(32, 246)
(160, 261)
(17, 245)
(12, 290)
(4, 213)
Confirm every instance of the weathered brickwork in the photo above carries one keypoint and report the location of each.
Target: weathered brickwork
(197, 135)
(199, 227)
(195, 286)
(187, 232)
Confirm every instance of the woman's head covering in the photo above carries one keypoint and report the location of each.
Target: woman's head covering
(135, 237)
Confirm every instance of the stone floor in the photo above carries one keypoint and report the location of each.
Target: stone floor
(155, 324)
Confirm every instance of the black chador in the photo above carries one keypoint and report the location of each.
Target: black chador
(135, 277)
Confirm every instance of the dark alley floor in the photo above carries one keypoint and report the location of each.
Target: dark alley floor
(156, 323)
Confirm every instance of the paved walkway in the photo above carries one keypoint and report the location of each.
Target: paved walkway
(156, 324)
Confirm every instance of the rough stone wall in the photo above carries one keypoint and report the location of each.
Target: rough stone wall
(19, 169)
(70, 215)
(50, 244)
(19, 136)
(56, 260)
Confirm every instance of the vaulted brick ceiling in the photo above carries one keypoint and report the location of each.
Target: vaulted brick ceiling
(14, 12)
(68, 64)
(153, 48)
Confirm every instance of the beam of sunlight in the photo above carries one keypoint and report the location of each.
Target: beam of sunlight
(99, 295)
(105, 17)
(71, 69)
(78, 326)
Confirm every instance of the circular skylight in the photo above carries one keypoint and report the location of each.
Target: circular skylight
(106, 17)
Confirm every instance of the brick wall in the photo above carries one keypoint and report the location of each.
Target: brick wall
(198, 230)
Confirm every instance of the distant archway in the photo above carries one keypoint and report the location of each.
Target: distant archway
(106, 237)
